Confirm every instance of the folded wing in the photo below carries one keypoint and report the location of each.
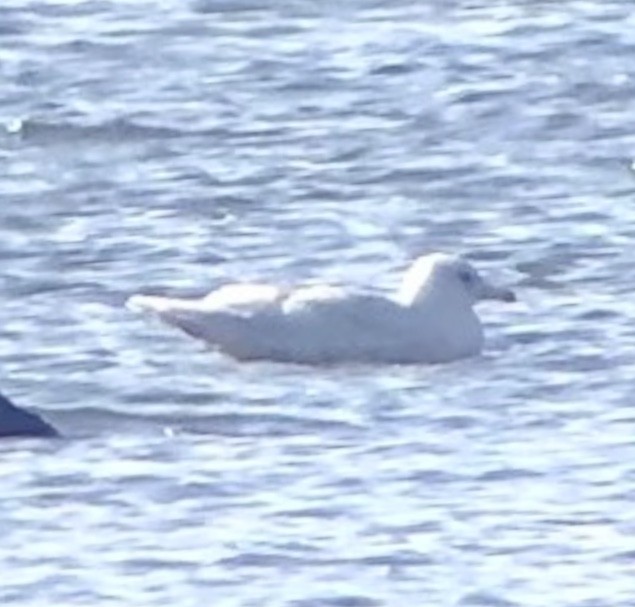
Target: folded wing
(317, 324)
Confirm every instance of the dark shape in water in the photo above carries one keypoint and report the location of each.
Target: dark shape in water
(15, 421)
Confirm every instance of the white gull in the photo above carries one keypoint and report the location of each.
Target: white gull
(431, 319)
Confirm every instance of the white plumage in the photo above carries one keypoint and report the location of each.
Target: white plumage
(429, 320)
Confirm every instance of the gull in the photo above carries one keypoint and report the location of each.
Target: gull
(430, 319)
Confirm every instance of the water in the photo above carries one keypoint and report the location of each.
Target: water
(173, 146)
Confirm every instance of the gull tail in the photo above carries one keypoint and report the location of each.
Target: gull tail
(151, 303)
(188, 315)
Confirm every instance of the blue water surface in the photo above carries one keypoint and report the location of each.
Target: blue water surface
(172, 146)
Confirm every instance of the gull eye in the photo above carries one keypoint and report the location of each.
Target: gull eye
(466, 276)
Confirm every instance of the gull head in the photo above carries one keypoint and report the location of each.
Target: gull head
(448, 276)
